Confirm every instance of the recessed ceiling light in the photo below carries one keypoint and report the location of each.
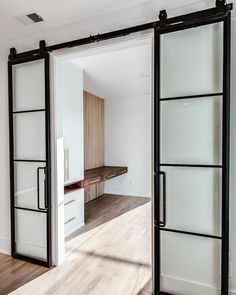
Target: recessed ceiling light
(30, 18)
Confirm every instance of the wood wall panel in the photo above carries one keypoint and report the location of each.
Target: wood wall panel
(94, 141)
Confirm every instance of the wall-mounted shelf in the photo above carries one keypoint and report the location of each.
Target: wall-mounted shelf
(96, 175)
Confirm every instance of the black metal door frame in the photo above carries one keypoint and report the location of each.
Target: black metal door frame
(160, 224)
(47, 169)
(221, 12)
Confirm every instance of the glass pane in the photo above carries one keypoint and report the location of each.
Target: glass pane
(29, 136)
(193, 199)
(26, 185)
(30, 228)
(190, 264)
(191, 61)
(29, 86)
(191, 131)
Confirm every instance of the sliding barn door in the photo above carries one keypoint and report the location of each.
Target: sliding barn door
(29, 117)
(192, 158)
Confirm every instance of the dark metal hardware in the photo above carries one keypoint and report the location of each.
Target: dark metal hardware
(226, 155)
(44, 169)
(162, 17)
(163, 223)
(220, 3)
(191, 166)
(30, 161)
(42, 45)
(194, 17)
(29, 111)
(30, 209)
(12, 53)
(96, 38)
(191, 96)
(191, 233)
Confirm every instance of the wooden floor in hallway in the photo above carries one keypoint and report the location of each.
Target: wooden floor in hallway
(15, 273)
(111, 254)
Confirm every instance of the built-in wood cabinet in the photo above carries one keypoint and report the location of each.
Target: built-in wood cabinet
(94, 141)
(84, 155)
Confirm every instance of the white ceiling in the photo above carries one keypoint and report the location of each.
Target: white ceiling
(123, 70)
(118, 13)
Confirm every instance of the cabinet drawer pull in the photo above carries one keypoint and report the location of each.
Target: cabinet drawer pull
(72, 201)
(68, 221)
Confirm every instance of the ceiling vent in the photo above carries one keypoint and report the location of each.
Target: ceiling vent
(30, 18)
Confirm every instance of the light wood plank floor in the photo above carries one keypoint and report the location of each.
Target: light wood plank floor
(110, 255)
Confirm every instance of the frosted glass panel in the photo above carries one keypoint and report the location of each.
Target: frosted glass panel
(26, 185)
(190, 265)
(29, 86)
(193, 199)
(29, 136)
(31, 234)
(191, 131)
(191, 61)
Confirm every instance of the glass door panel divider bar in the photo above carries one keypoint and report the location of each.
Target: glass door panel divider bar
(30, 161)
(190, 233)
(191, 96)
(29, 209)
(29, 111)
(192, 166)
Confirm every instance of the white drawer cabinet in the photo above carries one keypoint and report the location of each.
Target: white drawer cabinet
(74, 211)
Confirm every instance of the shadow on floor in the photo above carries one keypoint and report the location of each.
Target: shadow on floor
(101, 210)
(114, 258)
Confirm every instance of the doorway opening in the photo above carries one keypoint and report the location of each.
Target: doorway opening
(103, 107)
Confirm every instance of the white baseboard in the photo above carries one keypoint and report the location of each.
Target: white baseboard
(232, 292)
(5, 246)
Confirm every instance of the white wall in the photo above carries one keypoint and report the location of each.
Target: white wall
(68, 113)
(128, 143)
(73, 31)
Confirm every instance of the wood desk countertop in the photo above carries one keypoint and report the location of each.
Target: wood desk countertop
(95, 175)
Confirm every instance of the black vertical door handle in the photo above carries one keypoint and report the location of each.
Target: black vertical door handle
(45, 189)
(162, 223)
